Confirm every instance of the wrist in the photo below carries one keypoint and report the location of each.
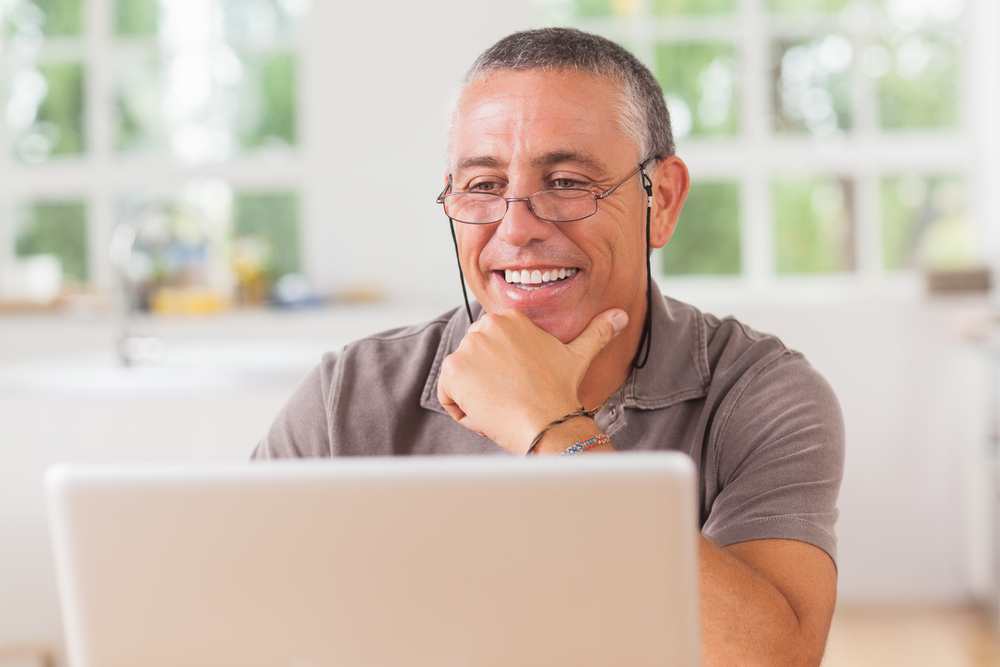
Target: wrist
(559, 438)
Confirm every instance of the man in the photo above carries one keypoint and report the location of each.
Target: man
(561, 179)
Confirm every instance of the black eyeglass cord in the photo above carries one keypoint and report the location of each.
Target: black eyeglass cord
(647, 327)
(461, 276)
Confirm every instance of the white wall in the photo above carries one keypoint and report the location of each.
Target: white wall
(376, 80)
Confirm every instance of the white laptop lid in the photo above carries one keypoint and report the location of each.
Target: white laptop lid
(388, 562)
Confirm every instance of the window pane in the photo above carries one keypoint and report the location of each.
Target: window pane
(269, 221)
(810, 6)
(268, 100)
(138, 104)
(179, 260)
(243, 102)
(55, 228)
(813, 229)
(812, 91)
(707, 237)
(50, 18)
(136, 17)
(918, 80)
(45, 111)
(681, 7)
(907, 14)
(593, 8)
(924, 222)
(260, 20)
(700, 83)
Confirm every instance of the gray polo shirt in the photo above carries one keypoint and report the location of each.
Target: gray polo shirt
(763, 427)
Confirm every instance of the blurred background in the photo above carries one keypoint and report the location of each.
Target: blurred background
(199, 197)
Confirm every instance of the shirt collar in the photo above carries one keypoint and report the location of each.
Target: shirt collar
(677, 369)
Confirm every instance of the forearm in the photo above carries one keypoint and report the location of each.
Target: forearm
(748, 620)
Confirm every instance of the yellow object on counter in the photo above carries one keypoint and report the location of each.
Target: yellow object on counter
(187, 301)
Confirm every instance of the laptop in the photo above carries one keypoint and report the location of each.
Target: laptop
(389, 562)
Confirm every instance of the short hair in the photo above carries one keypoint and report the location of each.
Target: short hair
(643, 114)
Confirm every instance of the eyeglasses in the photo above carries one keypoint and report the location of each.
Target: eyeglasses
(486, 208)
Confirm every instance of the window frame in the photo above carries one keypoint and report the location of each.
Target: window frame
(758, 154)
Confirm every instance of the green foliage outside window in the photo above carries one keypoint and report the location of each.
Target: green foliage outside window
(682, 7)
(707, 237)
(62, 18)
(62, 107)
(700, 82)
(812, 84)
(813, 230)
(136, 17)
(260, 19)
(600, 8)
(608, 8)
(272, 75)
(56, 228)
(912, 205)
(806, 6)
(920, 88)
(274, 217)
(138, 99)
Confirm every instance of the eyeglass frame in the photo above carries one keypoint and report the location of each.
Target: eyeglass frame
(507, 200)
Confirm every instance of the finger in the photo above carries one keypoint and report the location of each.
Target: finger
(446, 401)
(467, 422)
(457, 413)
(601, 331)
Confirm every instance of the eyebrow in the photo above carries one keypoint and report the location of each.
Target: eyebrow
(544, 160)
(477, 161)
(576, 157)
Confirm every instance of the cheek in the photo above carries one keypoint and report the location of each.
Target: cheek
(471, 241)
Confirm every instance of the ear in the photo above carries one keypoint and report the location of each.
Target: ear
(670, 187)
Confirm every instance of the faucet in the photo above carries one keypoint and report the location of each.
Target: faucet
(135, 344)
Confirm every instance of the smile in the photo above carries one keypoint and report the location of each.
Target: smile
(530, 280)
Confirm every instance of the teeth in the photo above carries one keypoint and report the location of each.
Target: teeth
(536, 277)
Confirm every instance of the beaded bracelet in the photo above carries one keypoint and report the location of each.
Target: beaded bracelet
(584, 445)
(582, 412)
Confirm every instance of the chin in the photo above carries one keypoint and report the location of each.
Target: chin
(565, 329)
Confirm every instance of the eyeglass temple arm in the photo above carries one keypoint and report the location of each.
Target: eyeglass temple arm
(440, 197)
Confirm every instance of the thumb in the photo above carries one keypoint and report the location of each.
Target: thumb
(601, 330)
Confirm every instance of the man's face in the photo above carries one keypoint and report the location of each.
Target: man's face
(520, 132)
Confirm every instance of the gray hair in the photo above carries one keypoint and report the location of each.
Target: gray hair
(643, 114)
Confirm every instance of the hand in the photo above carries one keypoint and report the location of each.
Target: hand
(509, 379)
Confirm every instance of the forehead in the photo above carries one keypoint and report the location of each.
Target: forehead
(518, 118)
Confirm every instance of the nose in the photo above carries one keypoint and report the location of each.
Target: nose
(520, 226)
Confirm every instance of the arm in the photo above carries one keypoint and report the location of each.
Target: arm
(763, 602)
(766, 602)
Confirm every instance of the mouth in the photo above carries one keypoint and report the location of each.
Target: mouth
(530, 280)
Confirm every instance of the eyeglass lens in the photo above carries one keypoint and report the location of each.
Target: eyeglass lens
(553, 205)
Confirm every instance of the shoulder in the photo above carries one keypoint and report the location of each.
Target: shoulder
(736, 357)
(356, 387)
(775, 446)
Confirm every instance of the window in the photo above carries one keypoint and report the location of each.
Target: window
(109, 105)
(825, 137)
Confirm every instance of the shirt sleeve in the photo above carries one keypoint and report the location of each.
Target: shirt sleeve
(301, 429)
(780, 457)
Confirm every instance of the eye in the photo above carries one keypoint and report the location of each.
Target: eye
(563, 183)
(485, 186)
